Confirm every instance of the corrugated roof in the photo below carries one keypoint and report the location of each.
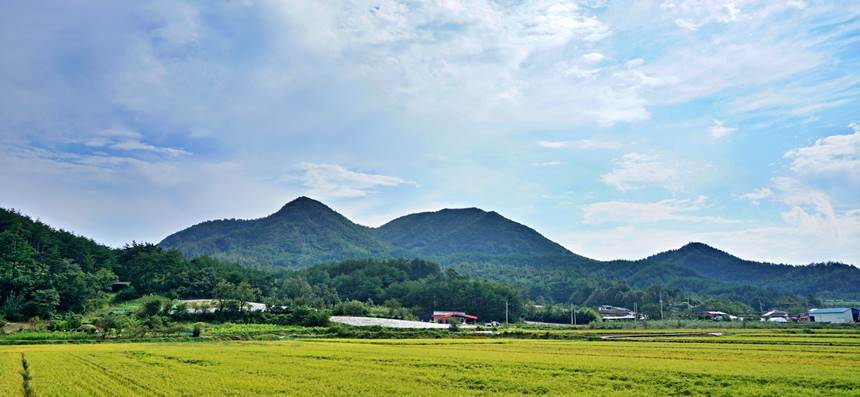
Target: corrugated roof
(829, 311)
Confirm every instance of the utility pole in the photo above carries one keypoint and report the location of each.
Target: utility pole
(635, 312)
(506, 312)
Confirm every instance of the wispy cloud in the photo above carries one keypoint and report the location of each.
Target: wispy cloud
(122, 139)
(335, 181)
(718, 130)
(628, 212)
(758, 195)
(636, 170)
(581, 144)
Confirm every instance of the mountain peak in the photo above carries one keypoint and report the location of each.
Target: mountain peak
(303, 200)
(697, 246)
(304, 231)
(303, 203)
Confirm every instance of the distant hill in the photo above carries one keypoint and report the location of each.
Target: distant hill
(302, 233)
(466, 233)
(479, 243)
(821, 279)
(306, 232)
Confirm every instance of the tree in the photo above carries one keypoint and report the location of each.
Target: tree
(224, 292)
(107, 323)
(244, 293)
(151, 306)
(44, 301)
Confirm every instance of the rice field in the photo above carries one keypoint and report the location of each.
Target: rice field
(759, 363)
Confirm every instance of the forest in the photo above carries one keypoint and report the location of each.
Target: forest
(48, 273)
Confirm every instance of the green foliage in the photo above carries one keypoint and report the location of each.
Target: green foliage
(453, 324)
(45, 271)
(820, 279)
(491, 261)
(350, 308)
(304, 231)
(197, 328)
(469, 231)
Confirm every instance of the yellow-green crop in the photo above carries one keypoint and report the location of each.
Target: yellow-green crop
(344, 367)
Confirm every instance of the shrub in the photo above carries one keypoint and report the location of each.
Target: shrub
(453, 324)
(197, 329)
(126, 294)
(151, 306)
(351, 308)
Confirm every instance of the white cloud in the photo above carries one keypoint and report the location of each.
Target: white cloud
(581, 144)
(132, 145)
(553, 144)
(718, 130)
(593, 57)
(634, 63)
(820, 219)
(127, 140)
(835, 155)
(695, 14)
(758, 195)
(334, 181)
(797, 98)
(548, 163)
(635, 170)
(627, 212)
(528, 62)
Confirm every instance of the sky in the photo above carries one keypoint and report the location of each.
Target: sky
(618, 129)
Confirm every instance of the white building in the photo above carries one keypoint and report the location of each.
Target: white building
(840, 315)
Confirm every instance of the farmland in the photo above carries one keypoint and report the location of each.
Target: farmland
(757, 362)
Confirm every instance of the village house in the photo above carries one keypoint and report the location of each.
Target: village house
(442, 317)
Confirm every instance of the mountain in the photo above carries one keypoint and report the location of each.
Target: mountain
(303, 232)
(485, 244)
(306, 232)
(820, 279)
(450, 234)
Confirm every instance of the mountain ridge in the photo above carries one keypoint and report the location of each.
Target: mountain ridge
(305, 232)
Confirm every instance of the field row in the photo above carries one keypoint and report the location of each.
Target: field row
(427, 367)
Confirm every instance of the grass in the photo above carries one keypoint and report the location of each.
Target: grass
(31, 335)
(258, 330)
(756, 362)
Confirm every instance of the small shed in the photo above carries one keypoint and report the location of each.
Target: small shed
(836, 315)
(442, 317)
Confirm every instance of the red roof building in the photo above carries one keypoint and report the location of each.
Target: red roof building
(442, 317)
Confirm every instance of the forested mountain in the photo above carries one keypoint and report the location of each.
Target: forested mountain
(302, 233)
(43, 270)
(466, 233)
(51, 273)
(487, 245)
(306, 232)
(820, 279)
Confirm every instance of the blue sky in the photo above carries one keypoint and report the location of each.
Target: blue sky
(618, 129)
